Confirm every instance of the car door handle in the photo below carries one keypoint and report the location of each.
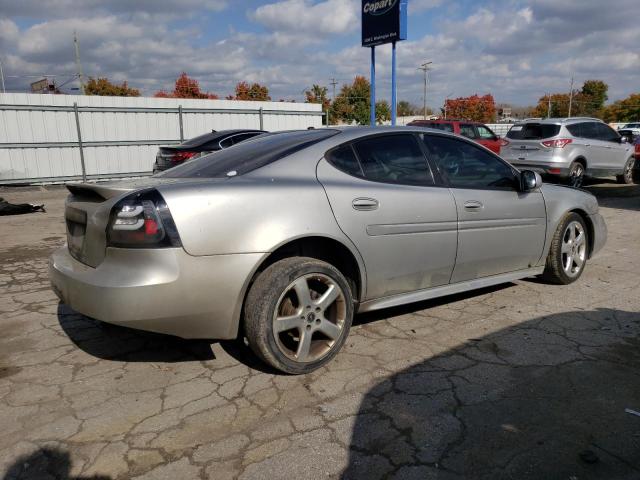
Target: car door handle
(365, 204)
(473, 205)
(587, 144)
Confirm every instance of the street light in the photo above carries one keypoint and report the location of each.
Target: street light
(425, 68)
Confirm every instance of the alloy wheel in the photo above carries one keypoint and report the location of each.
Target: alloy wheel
(309, 318)
(576, 175)
(574, 249)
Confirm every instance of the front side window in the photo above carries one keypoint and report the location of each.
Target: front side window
(608, 134)
(463, 165)
(393, 159)
(485, 133)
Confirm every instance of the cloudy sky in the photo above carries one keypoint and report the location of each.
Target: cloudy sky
(513, 49)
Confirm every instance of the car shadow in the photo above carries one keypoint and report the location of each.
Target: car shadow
(46, 463)
(612, 195)
(543, 399)
(113, 342)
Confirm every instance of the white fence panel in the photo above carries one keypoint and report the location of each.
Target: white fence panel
(39, 145)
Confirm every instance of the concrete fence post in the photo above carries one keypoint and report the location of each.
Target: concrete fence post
(181, 124)
(77, 114)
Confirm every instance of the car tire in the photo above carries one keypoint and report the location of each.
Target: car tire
(298, 313)
(576, 175)
(627, 176)
(569, 251)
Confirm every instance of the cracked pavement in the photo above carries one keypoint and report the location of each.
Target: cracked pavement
(512, 382)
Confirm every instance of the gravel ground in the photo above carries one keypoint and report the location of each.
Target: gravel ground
(520, 381)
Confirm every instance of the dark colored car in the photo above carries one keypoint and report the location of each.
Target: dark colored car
(168, 157)
(476, 131)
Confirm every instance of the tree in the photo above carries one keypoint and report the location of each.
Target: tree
(254, 92)
(186, 87)
(588, 101)
(103, 87)
(476, 108)
(318, 94)
(383, 111)
(406, 109)
(627, 110)
(352, 103)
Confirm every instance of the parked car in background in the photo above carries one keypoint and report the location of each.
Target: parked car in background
(168, 157)
(285, 237)
(476, 131)
(634, 127)
(570, 148)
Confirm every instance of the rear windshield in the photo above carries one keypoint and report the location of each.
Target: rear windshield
(248, 156)
(533, 131)
(199, 140)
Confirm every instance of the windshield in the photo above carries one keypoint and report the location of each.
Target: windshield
(533, 131)
(632, 125)
(248, 156)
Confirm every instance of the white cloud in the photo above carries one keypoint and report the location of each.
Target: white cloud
(306, 17)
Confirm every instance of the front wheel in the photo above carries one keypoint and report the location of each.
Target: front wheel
(569, 250)
(298, 314)
(627, 175)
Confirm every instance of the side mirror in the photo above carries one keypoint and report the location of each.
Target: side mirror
(624, 140)
(529, 180)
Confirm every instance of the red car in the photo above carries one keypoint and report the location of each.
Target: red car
(476, 131)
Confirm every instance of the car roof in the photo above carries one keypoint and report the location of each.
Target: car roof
(216, 135)
(560, 120)
(447, 121)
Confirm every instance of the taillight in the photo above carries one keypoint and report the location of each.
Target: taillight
(142, 220)
(559, 143)
(503, 142)
(180, 157)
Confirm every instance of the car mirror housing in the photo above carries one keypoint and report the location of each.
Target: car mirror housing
(623, 140)
(529, 180)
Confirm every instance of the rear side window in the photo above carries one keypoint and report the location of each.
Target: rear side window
(394, 159)
(533, 131)
(467, 130)
(249, 156)
(344, 158)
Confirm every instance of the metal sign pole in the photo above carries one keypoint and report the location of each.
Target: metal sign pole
(394, 89)
(373, 87)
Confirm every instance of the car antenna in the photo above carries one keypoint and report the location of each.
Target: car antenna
(213, 130)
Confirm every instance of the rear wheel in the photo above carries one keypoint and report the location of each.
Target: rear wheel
(627, 175)
(298, 314)
(569, 250)
(576, 175)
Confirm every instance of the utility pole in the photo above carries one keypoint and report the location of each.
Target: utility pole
(2, 77)
(549, 107)
(570, 97)
(333, 83)
(78, 64)
(425, 68)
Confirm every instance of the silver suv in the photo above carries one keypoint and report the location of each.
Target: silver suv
(569, 148)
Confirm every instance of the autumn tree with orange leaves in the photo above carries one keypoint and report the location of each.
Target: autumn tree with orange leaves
(476, 108)
(186, 87)
(252, 92)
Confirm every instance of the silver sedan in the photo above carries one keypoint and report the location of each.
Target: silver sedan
(285, 237)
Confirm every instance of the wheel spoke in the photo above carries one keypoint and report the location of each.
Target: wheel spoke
(283, 324)
(578, 261)
(572, 234)
(304, 346)
(330, 329)
(568, 266)
(301, 287)
(328, 297)
(580, 238)
(566, 248)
